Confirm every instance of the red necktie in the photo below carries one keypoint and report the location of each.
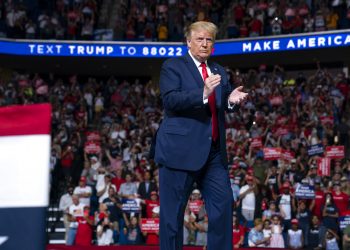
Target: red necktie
(212, 105)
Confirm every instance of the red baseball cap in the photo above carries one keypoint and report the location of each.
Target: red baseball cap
(294, 221)
(83, 178)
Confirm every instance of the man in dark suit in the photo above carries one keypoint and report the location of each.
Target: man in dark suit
(146, 187)
(190, 144)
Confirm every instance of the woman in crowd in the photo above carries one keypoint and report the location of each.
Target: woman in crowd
(256, 236)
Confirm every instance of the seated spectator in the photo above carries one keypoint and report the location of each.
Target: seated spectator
(84, 230)
(83, 192)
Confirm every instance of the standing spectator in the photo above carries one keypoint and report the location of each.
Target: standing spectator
(247, 196)
(83, 191)
(114, 206)
(331, 240)
(237, 233)
(129, 188)
(202, 230)
(104, 233)
(295, 236)
(346, 237)
(341, 200)
(75, 213)
(304, 217)
(146, 187)
(84, 231)
(284, 203)
(150, 204)
(277, 240)
(132, 230)
(271, 211)
(103, 188)
(153, 238)
(67, 158)
(317, 203)
(118, 180)
(65, 202)
(314, 240)
(256, 236)
(330, 213)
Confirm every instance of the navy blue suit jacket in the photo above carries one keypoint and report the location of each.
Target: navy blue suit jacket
(184, 137)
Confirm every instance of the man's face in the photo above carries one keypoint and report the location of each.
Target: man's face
(200, 44)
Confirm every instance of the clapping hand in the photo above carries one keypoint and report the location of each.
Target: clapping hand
(237, 95)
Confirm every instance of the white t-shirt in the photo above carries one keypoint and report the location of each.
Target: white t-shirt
(80, 190)
(286, 207)
(76, 211)
(248, 202)
(106, 238)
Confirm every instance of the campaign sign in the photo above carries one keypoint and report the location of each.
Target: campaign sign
(335, 152)
(324, 166)
(276, 100)
(281, 131)
(281, 120)
(327, 120)
(287, 155)
(195, 206)
(150, 225)
(344, 221)
(272, 153)
(93, 136)
(256, 142)
(130, 206)
(92, 147)
(305, 191)
(315, 149)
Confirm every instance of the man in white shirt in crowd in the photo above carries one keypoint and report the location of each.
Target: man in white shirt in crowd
(75, 211)
(65, 202)
(83, 191)
(247, 197)
(284, 202)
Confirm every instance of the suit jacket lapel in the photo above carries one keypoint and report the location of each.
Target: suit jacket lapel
(194, 71)
(215, 70)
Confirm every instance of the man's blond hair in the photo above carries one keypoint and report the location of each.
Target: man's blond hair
(201, 25)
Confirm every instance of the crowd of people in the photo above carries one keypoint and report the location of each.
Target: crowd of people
(106, 183)
(166, 20)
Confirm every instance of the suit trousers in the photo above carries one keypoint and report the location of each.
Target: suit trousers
(175, 187)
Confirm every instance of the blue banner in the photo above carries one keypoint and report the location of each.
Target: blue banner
(151, 50)
(344, 221)
(315, 149)
(131, 205)
(304, 192)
